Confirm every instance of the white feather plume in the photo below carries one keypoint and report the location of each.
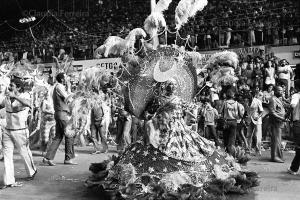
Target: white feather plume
(156, 19)
(153, 22)
(131, 37)
(225, 57)
(99, 51)
(196, 57)
(186, 9)
(198, 6)
(118, 46)
(114, 45)
(162, 5)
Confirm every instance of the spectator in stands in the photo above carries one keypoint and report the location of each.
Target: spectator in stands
(285, 73)
(228, 36)
(269, 73)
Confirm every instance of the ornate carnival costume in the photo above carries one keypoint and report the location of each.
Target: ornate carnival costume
(172, 158)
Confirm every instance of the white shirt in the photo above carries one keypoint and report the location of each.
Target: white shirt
(285, 72)
(16, 113)
(295, 103)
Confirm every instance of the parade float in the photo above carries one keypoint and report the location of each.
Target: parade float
(146, 170)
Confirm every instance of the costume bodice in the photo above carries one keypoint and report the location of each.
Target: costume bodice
(172, 106)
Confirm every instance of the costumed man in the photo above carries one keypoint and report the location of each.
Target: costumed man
(277, 119)
(61, 98)
(97, 129)
(124, 123)
(17, 104)
(295, 104)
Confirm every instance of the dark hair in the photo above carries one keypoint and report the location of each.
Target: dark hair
(170, 88)
(60, 77)
(230, 93)
(297, 84)
(19, 83)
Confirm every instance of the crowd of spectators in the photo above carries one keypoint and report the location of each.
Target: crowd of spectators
(226, 23)
(257, 77)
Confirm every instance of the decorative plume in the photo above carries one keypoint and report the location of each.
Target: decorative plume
(118, 46)
(196, 57)
(186, 9)
(224, 57)
(114, 45)
(162, 5)
(222, 65)
(131, 37)
(156, 19)
(153, 22)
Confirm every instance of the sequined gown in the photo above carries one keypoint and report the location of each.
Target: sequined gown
(172, 147)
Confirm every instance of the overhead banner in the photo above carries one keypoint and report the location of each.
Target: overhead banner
(108, 64)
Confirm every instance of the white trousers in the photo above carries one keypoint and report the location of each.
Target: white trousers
(19, 140)
(254, 130)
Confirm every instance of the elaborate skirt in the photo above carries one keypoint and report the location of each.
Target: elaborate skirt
(179, 160)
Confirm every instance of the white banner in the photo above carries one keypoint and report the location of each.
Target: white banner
(108, 64)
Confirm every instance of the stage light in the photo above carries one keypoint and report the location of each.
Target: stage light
(27, 20)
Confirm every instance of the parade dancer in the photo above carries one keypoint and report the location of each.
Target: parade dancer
(17, 104)
(62, 116)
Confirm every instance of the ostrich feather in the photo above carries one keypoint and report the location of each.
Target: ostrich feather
(131, 37)
(196, 57)
(186, 9)
(162, 5)
(224, 57)
(153, 22)
(99, 51)
(198, 6)
(114, 45)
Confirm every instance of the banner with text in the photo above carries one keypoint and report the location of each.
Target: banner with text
(108, 64)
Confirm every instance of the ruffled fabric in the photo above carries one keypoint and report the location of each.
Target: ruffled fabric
(145, 172)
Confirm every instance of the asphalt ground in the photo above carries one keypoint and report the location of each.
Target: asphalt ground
(67, 182)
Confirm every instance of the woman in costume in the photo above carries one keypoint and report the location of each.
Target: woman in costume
(172, 154)
(173, 157)
(168, 132)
